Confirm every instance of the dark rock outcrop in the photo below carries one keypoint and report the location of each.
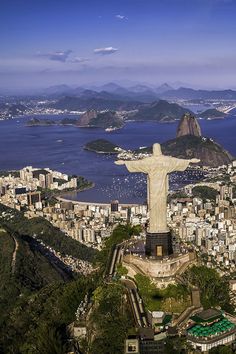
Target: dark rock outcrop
(85, 118)
(189, 146)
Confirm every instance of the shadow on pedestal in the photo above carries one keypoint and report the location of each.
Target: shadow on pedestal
(159, 245)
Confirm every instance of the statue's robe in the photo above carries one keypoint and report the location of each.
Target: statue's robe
(157, 168)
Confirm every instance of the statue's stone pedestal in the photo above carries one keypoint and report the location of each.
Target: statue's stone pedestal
(162, 272)
(159, 244)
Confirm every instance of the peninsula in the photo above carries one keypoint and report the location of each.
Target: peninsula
(212, 113)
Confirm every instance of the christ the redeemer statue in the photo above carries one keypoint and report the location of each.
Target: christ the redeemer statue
(157, 167)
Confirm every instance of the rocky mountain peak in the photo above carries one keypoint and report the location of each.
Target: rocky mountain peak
(188, 125)
(87, 117)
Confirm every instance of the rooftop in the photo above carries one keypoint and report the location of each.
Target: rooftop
(158, 314)
(207, 315)
(209, 331)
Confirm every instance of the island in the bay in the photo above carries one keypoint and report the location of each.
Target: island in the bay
(189, 143)
(102, 146)
(89, 119)
(159, 111)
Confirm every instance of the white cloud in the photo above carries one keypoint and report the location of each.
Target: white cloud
(121, 17)
(79, 60)
(105, 51)
(61, 56)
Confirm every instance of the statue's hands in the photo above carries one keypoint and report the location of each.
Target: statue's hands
(195, 160)
(119, 162)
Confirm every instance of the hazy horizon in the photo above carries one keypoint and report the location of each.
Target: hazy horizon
(183, 43)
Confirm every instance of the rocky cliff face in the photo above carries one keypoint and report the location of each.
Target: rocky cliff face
(86, 118)
(108, 119)
(188, 125)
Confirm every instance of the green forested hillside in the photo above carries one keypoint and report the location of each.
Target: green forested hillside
(41, 229)
(37, 299)
(36, 323)
(160, 111)
(19, 281)
(31, 271)
(7, 288)
(37, 303)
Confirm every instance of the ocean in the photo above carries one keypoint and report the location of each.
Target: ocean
(61, 148)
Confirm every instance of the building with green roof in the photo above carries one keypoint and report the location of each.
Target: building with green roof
(210, 328)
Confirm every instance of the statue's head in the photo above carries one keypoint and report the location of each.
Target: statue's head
(156, 149)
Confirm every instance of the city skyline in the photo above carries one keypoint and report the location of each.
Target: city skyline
(78, 43)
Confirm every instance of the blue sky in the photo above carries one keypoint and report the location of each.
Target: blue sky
(85, 41)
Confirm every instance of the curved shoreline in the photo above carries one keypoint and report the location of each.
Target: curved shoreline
(101, 152)
(77, 190)
(60, 198)
(77, 202)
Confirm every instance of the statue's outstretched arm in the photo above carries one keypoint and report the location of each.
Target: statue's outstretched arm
(194, 160)
(134, 165)
(177, 164)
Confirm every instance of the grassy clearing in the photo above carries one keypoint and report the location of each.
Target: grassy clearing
(175, 298)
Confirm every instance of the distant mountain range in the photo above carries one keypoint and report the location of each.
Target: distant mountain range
(140, 92)
(190, 94)
(160, 111)
(110, 87)
(95, 100)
